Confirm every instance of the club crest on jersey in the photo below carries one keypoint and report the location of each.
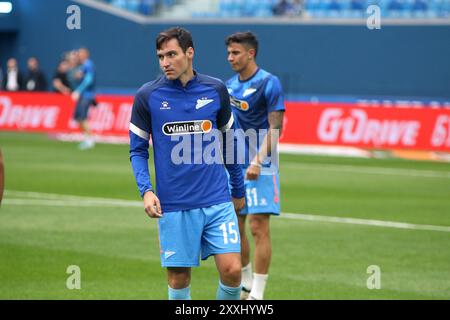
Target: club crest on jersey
(239, 104)
(187, 127)
(249, 91)
(203, 102)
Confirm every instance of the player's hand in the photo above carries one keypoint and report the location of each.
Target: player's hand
(75, 96)
(253, 172)
(151, 205)
(238, 204)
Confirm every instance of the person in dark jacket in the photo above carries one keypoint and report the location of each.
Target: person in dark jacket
(35, 79)
(61, 82)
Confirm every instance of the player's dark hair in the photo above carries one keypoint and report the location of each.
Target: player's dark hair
(246, 38)
(183, 37)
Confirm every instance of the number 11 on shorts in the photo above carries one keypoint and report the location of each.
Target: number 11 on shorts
(231, 231)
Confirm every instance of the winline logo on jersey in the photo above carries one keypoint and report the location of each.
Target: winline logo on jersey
(241, 146)
(187, 127)
(241, 104)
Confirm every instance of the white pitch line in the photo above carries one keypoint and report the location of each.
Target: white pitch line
(59, 200)
(55, 196)
(370, 170)
(366, 222)
(72, 203)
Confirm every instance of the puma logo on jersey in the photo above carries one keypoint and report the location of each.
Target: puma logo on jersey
(203, 102)
(248, 91)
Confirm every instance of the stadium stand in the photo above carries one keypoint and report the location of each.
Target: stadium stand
(145, 7)
(398, 9)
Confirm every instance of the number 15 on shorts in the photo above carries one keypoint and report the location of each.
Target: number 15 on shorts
(231, 232)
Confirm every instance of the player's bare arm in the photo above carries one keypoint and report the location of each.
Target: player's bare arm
(238, 204)
(151, 205)
(276, 127)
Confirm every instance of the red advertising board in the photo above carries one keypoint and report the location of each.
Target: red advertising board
(367, 127)
(47, 112)
(305, 123)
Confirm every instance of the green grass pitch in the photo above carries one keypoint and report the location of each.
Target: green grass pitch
(116, 246)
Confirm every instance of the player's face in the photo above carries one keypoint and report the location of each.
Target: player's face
(173, 61)
(83, 54)
(12, 63)
(239, 56)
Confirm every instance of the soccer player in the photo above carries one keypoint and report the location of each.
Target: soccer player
(84, 96)
(195, 211)
(258, 104)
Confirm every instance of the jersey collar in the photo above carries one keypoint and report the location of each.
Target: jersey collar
(177, 82)
(252, 76)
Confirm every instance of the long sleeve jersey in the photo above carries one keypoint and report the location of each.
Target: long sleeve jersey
(183, 122)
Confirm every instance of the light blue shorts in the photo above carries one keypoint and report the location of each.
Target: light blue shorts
(187, 234)
(262, 195)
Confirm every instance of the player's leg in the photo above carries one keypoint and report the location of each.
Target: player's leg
(264, 201)
(179, 239)
(81, 115)
(179, 279)
(245, 246)
(246, 273)
(85, 127)
(229, 267)
(221, 239)
(260, 229)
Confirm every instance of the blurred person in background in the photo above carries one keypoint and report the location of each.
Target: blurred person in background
(84, 96)
(288, 8)
(283, 7)
(61, 82)
(35, 79)
(258, 105)
(74, 73)
(12, 78)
